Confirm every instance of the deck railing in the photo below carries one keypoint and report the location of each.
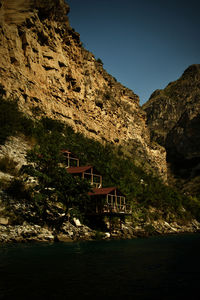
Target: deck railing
(72, 162)
(116, 204)
(117, 208)
(95, 180)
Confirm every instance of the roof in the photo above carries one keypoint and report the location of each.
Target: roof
(77, 170)
(65, 151)
(102, 191)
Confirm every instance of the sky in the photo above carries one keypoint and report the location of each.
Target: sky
(144, 44)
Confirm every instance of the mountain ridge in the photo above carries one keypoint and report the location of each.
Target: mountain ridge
(173, 116)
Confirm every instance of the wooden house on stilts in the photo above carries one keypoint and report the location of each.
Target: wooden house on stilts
(88, 173)
(107, 200)
(70, 160)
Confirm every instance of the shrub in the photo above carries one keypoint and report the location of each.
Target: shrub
(8, 165)
(107, 96)
(4, 183)
(12, 120)
(149, 229)
(53, 183)
(2, 91)
(99, 103)
(17, 189)
(99, 61)
(52, 125)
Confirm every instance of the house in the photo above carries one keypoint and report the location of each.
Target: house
(109, 201)
(71, 161)
(87, 172)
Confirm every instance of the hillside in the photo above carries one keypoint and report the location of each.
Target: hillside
(173, 116)
(39, 199)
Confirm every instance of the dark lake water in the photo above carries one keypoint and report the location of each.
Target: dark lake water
(165, 267)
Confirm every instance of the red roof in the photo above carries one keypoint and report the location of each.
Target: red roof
(102, 191)
(77, 170)
(65, 151)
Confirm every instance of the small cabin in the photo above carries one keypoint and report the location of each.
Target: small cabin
(70, 159)
(88, 173)
(109, 201)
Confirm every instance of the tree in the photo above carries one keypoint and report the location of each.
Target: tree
(54, 186)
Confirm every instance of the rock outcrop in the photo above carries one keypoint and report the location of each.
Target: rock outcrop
(17, 224)
(36, 233)
(70, 233)
(173, 116)
(44, 64)
(25, 233)
(15, 148)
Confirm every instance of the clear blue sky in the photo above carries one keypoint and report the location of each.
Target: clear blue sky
(144, 44)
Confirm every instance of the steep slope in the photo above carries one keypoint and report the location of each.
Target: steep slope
(173, 115)
(44, 64)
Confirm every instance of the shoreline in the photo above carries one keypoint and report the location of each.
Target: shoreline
(30, 233)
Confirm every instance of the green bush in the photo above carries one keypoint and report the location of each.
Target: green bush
(149, 229)
(192, 204)
(53, 183)
(17, 189)
(12, 120)
(8, 165)
(99, 61)
(99, 235)
(4, 183)
(2, 91)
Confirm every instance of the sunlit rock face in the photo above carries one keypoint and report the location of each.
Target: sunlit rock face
(173, 115)
(44, 64)
(19, 10)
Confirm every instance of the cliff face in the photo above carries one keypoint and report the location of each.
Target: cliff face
(44, 64)
(173, 115)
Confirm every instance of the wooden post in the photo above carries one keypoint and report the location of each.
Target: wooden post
(124, 203)
(92, 176)
(96, 207)
(112, 204)
(116, 200)
(68, 160)
(107, 202)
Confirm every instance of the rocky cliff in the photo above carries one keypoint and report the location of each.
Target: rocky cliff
(44, 64)
(173, 115)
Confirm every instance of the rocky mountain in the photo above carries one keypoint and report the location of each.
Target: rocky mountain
(173, 116)
(44, 64)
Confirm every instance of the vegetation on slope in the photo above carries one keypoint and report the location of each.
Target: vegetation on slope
(55, 186)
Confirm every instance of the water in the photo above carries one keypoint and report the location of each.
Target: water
(154, 268)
